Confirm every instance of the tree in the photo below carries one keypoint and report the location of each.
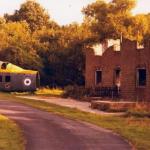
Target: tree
(139, 27)
(2, 21)
(16, 45)
(62, 52)
(20, 57)
(32, 13)
(111, 20)
(147, 35)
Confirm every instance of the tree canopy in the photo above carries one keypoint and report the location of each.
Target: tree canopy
(16, 45)
(115, 19)
(32, 13)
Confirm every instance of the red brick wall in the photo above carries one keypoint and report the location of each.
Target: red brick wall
(128, 59)
(133, 58)
(128, 67)
(110, 61)
(92, 63)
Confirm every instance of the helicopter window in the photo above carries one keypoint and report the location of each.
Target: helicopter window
(1, 79)
(4, 65)
(7, 79)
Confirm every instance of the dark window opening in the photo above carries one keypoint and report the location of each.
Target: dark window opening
(7, 79)
(4, 65)
(141, 77)
(1, 78)
(98, 76)
(118, 73)
(117, 77)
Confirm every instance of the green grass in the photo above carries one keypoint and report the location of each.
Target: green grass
(10, 135)
(135, 130)
(44, 91)
(48, 91)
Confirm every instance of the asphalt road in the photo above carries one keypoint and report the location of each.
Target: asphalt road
(46, 131)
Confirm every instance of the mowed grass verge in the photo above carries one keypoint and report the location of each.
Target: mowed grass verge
(43, 91)
(10, 135)
(135, 130)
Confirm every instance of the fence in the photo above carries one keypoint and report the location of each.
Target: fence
(112, 92)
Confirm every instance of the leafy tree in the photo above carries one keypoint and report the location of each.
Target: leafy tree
(16, 45)
(32, 13)
(139, 27)
(110, 20)
(16, 33)
(147, 35)
(61, 50)
(20, 57)
(2, 21)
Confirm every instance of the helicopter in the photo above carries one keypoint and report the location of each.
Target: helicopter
(16, 79)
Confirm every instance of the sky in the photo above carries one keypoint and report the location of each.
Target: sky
(65, 11)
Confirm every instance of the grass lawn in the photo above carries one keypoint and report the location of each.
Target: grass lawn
(43, 91)
(10, 135)
(48, 91)
(135, 130)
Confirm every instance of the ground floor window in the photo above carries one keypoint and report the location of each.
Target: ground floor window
(1, 78)
(141, 77)
(117, 77)
(98, 77)
(7, 78)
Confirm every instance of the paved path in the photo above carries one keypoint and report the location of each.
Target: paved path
(83, 106)
(46, 131)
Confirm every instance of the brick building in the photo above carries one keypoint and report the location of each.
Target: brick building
(128, 69)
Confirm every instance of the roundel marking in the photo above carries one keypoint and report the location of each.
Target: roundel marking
(7, 85)
(27, 82)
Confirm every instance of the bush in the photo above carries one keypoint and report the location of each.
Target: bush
(111, 106)
(139, 114)
(76, 92)
(140, 110)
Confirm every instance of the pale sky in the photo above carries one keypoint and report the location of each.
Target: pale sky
(64, 11)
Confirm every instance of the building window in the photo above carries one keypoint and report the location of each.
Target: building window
(141, 77)
(98, 76)
(1, 78)
(4, 66)
(117, 77)
(7, 78)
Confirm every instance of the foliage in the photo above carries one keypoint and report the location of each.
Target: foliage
(49, 92)
(32, 13)
(62, 51)
(140, 110)
(110, 106)
(2, 21)
(76, 92)
(16, 46)
(114, 19)
(147, 35)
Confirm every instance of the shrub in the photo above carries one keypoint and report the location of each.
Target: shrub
(76, 92)
(111, 106)
(141, 109)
